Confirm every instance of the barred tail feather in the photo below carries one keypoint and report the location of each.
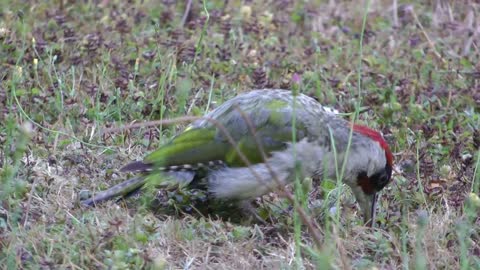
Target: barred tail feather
(134, 184)
(123, 188)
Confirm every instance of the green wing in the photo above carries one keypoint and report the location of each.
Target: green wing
(192, 146)
(204, 142)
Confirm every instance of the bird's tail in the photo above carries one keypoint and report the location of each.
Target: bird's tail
(134, 184)
(121, 189)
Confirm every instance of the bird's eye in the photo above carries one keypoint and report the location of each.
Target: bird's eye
(380, 179)
(375, 182)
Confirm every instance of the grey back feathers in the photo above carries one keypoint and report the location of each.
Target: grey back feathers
(258, 105)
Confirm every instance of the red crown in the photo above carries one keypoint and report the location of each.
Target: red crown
(376, 136)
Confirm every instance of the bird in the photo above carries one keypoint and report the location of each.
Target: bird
(262, 140)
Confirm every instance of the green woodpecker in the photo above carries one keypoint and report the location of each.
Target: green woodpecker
(299, 137)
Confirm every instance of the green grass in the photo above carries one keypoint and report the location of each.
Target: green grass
(70, 72)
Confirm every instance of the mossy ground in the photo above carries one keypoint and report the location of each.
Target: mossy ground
(71, 69)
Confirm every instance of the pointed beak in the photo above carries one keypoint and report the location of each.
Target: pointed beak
(368, 205)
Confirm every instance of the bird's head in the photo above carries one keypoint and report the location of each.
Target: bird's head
(375, 161)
